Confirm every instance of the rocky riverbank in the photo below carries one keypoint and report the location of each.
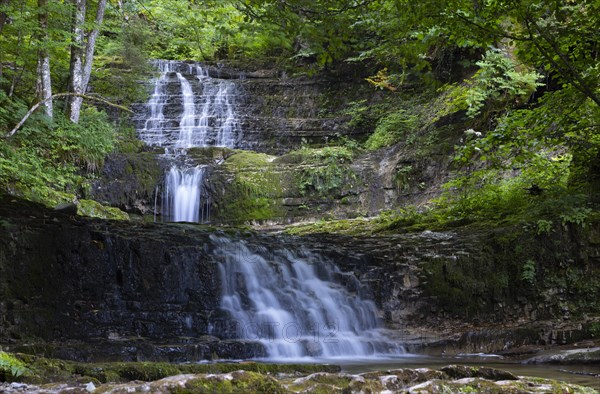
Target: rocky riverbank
(54, 376)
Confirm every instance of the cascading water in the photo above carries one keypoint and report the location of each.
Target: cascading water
(183, 195)
(188, 109)
(155, 129)
(289, 301)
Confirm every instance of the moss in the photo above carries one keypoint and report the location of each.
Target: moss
(97, 210)
(256, 190)
(241, 382)
(208, 155)
(52, 198)
(344, 226)
(45, 196)
(53, 370)
(391, 129)
(46, 370)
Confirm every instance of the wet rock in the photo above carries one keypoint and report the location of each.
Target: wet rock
(128, 181)
(67, 208)
(461, 371)
(321, 382)
(589, 355)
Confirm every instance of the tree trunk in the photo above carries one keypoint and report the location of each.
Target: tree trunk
(44, 82)
(76, 65)
(91, 43)
(3, 16)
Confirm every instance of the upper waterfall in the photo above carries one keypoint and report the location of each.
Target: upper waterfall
(188, 108)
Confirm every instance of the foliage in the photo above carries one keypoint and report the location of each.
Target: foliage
(403, 178)
(11, 368)
(528, 272)
(544, 226)
(499, 81)
(48, 160)
(575, 215)
(594, 329)
(325, 170)
(391, 129)
(382, 80)
(365, 115)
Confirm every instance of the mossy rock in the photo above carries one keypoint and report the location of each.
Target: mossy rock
(41, 369)
(45, 196)
(246, 159)
(321, 382)
(96, 210)
(255, 192)
(235, 382)
(462, 371)
(211, 154)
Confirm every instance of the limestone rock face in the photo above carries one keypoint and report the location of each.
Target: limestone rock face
(277, 115)
(92, 289)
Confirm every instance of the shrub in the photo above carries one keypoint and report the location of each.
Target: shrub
(11, 368)
(391, 129)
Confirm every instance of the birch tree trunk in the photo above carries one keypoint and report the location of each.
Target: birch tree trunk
(91, 43)
(76, 64)
(44, 81)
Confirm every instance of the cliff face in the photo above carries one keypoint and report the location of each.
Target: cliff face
(91, 289)
(295, 164)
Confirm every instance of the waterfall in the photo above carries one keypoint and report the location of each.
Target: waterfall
(183, 198)
(290, 302)
(187, 124)
(293, 302)
(188, 109)
(153, 132)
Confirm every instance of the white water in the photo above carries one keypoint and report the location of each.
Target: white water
(187, 124)
(188, 109)
(183, 200)
(289, 301)
(153, 132)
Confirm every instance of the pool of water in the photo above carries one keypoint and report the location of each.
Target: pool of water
(585, 375)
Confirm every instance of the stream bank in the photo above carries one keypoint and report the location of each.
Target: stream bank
(56, 376)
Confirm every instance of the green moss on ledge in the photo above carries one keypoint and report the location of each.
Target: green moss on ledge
(52, 198)
(255, 191)
(272, 378)
(42, 369)
(96, 210)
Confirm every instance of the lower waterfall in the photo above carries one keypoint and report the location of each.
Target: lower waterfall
(291, 301)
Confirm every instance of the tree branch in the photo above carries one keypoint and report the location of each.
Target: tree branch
(566, 68)
(37, 105)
